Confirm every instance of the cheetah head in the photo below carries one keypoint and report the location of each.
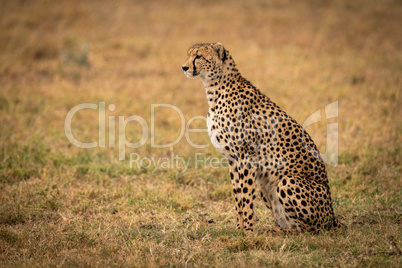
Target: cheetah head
(205, 60)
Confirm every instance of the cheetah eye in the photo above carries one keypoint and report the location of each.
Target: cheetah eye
(197, 57)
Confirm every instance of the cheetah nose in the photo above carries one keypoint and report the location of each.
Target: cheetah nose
(185, 68)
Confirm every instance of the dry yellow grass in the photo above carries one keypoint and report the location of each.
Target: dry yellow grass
(66, 206)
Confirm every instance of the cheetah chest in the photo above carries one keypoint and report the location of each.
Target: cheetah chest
(217, 133)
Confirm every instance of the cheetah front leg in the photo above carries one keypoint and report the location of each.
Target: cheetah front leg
(243, 180)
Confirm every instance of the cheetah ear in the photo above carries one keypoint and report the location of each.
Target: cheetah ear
(222, 53)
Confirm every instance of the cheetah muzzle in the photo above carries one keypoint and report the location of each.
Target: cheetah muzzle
(265, 147)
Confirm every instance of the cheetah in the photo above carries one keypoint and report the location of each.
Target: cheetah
(264, 146)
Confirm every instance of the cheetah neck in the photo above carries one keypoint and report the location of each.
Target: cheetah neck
(215, 86)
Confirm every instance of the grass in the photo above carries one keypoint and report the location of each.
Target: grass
(66, 206)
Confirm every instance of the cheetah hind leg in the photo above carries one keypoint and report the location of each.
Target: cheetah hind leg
(270, 200)
(306, 203)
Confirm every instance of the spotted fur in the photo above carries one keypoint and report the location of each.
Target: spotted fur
(265, 147)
